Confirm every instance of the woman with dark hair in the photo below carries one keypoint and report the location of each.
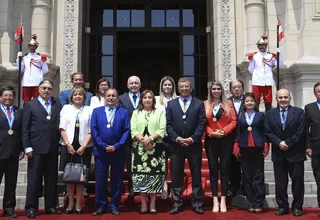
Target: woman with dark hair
(251, 148)
(221, 121)
(148, 126)
(98, 100)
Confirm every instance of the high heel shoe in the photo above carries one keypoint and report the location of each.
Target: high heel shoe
(223, 207)
(78, 211)
(215, 207)
(69, 211)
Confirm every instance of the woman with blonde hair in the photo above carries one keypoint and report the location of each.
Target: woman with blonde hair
(221, 121)
(75, 131)
(167, 92)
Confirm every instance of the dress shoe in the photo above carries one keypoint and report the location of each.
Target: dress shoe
(175, 210)
(318, 214)
(282, 211)
(115, 211)
(53, 211)
(31, 213)
(258, 211)
(198, 211)
(296, 212)
(100, 211)
(251, 211)
(9, 213)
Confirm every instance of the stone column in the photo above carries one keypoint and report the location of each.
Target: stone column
(255, 22)
(41, 25)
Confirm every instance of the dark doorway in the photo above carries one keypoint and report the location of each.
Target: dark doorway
(149, 55)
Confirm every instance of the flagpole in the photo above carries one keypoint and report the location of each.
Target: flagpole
(278, 58)
(20, 60)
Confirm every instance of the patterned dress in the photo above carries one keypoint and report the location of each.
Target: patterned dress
(148, 166)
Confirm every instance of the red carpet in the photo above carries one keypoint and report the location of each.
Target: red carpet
(129, 210)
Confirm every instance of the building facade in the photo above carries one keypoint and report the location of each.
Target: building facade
(203, 40)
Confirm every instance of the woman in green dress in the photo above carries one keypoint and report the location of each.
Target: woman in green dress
(148, 126)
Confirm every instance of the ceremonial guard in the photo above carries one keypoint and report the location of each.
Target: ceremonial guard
(261, 67)
(33, 66)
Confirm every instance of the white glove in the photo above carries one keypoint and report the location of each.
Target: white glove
(19, 54)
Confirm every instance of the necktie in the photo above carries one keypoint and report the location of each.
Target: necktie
(134, 98)
(283, 117)
(9, 113)
(185, 104)
(46, 103)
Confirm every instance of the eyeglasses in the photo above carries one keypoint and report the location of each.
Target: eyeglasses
(7, 96)
(46, 88)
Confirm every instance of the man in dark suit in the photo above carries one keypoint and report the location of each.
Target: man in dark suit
(40, 128)
(285, 129)
(312, 119)
(10, 148)
(129, 101)
(110, 128)
(236, 88)
(186, 121)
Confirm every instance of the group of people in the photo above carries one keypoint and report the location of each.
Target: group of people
(140, 131)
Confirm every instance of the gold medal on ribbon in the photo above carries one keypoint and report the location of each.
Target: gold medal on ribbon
(184, 117)
(249, 128)
(108, 125)
(215, 120)
(10, 132)
(77, 124)
(48, 117)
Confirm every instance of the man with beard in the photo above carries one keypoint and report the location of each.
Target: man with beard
(110, 128)
(34, 66)
(129, 101)
(10, 148)
(261, 67)
(236, 88)
(186, 121)
(41, 135)
(285, 129)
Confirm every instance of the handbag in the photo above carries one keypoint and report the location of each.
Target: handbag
(75, 173)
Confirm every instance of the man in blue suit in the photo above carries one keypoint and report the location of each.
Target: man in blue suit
(110, 128)
(285, 129)
(77, 79)
(186, 121)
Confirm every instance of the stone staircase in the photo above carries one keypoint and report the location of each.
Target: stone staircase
(310, 199)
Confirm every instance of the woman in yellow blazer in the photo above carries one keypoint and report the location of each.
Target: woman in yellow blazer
(148, 126)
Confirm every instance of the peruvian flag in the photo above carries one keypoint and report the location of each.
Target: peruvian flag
(19, 33)
(281, 33)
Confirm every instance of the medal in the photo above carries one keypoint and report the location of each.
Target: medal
(215, 120)
(108, 125)
(249, 128)
(10, 132)
(48, 117)
(77, 124)
(184, 117)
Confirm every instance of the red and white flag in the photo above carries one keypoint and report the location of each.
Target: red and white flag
(19, 33)
(281, 33)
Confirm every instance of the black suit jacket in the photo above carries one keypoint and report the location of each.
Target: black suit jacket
(293, 134)
(193, 126)
(234, 132)
(40, 134)
(125, 102)
(10, 145)
(312, 119)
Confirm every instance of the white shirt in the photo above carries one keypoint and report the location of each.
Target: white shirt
(33, 68)
(165, 102)
(261, 68)
(68, 116)
(95, 102)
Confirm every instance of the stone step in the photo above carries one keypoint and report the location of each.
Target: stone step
(310, 188)
(21, 201)
(268, 165)
(310, 201)
(269, 176)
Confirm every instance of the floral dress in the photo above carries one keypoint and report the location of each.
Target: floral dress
(148, 166)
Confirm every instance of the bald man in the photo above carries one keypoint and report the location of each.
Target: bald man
(130, 101)
(285, 129)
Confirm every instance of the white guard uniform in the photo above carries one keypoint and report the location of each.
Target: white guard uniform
(260, 66)
(33, 68)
